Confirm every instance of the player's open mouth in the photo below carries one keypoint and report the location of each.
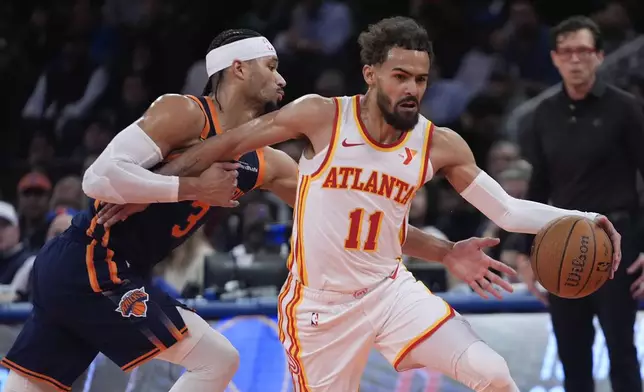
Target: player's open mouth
(408, 106)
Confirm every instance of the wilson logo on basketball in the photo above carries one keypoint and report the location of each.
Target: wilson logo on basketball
(578, 264)
(134, 303)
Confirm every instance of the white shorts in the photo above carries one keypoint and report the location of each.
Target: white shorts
(328, 336)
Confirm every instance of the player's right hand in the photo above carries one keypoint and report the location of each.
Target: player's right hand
(218, 183)
(111, 214)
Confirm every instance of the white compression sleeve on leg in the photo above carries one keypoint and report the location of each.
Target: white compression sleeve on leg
(510, 214)
(120, 174)
(209, 358)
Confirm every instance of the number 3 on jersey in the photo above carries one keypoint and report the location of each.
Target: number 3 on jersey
(193, 219)
(356, 218)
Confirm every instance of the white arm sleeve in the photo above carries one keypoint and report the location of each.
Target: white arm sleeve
(120, 174)
(510, 214)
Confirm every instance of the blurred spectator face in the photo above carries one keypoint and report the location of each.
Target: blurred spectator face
(265, 86)
(39, 18)
(40, 150)
(418, 209)
(33, 196)
(73, 53)
(400, 83)
(523, 16)
(613, 20)
(576, 57)
(58, 225)
(9, 229)
(134, 91)
(142, 57)
(500, 157)
(96, 138)
(68, 193)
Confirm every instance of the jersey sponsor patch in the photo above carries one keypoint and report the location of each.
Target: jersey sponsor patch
(134, 303)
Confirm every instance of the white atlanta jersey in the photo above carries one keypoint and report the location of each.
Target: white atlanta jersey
(353, 200)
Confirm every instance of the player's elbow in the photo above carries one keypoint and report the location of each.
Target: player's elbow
(97, 185)
(94, 183)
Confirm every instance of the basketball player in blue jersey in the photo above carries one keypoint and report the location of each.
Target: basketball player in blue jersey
(91, 284)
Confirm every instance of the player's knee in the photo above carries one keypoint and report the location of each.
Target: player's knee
(229, 356)
(221, 354)
(16, 382)
(485, 370)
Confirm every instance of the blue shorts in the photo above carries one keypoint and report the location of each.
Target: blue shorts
(129, 321)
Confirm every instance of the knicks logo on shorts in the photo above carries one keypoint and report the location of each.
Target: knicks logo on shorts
(134, 303)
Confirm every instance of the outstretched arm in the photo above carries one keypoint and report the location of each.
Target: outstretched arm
(484, 193)
(457, 162)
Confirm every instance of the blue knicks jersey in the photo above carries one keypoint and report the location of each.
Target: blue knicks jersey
(146, 238)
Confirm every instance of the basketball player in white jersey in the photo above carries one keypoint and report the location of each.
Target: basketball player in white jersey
(347, 291)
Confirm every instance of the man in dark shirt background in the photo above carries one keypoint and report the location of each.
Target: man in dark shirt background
(585, 144)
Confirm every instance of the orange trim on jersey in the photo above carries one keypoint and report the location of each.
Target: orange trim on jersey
(89, 254)
(299, 242)
(34, 375)
(335, 133)
(403, 232)
(141, 360)
(429, 133)
(423, 336)
(368, 138)
(91, 270)
(280, 300)
(206, 127)
(109, 258)
(294, 350)
(214, 115)
(261, 165)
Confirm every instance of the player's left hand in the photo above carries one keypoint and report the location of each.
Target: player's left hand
(110, 214)
(615, 238)
(468, 262)
(637, 288)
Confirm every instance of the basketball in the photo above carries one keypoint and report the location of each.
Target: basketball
(572, 257)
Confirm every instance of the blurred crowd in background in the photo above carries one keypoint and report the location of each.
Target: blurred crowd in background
(75, 72)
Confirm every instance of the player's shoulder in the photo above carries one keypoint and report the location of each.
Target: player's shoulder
(444, 134)
(176, 108)
(176, 102)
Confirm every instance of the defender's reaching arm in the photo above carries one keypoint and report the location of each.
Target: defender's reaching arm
(302, 117)
(120, 174)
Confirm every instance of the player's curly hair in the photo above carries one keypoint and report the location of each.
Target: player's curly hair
(224, 38)
(399, 32)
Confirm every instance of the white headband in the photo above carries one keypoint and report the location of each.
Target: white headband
(242, 50)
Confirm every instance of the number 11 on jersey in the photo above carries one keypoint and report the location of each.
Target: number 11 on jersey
(356, 218)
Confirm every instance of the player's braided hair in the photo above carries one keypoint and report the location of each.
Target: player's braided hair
(399, 32)
(225, 37)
